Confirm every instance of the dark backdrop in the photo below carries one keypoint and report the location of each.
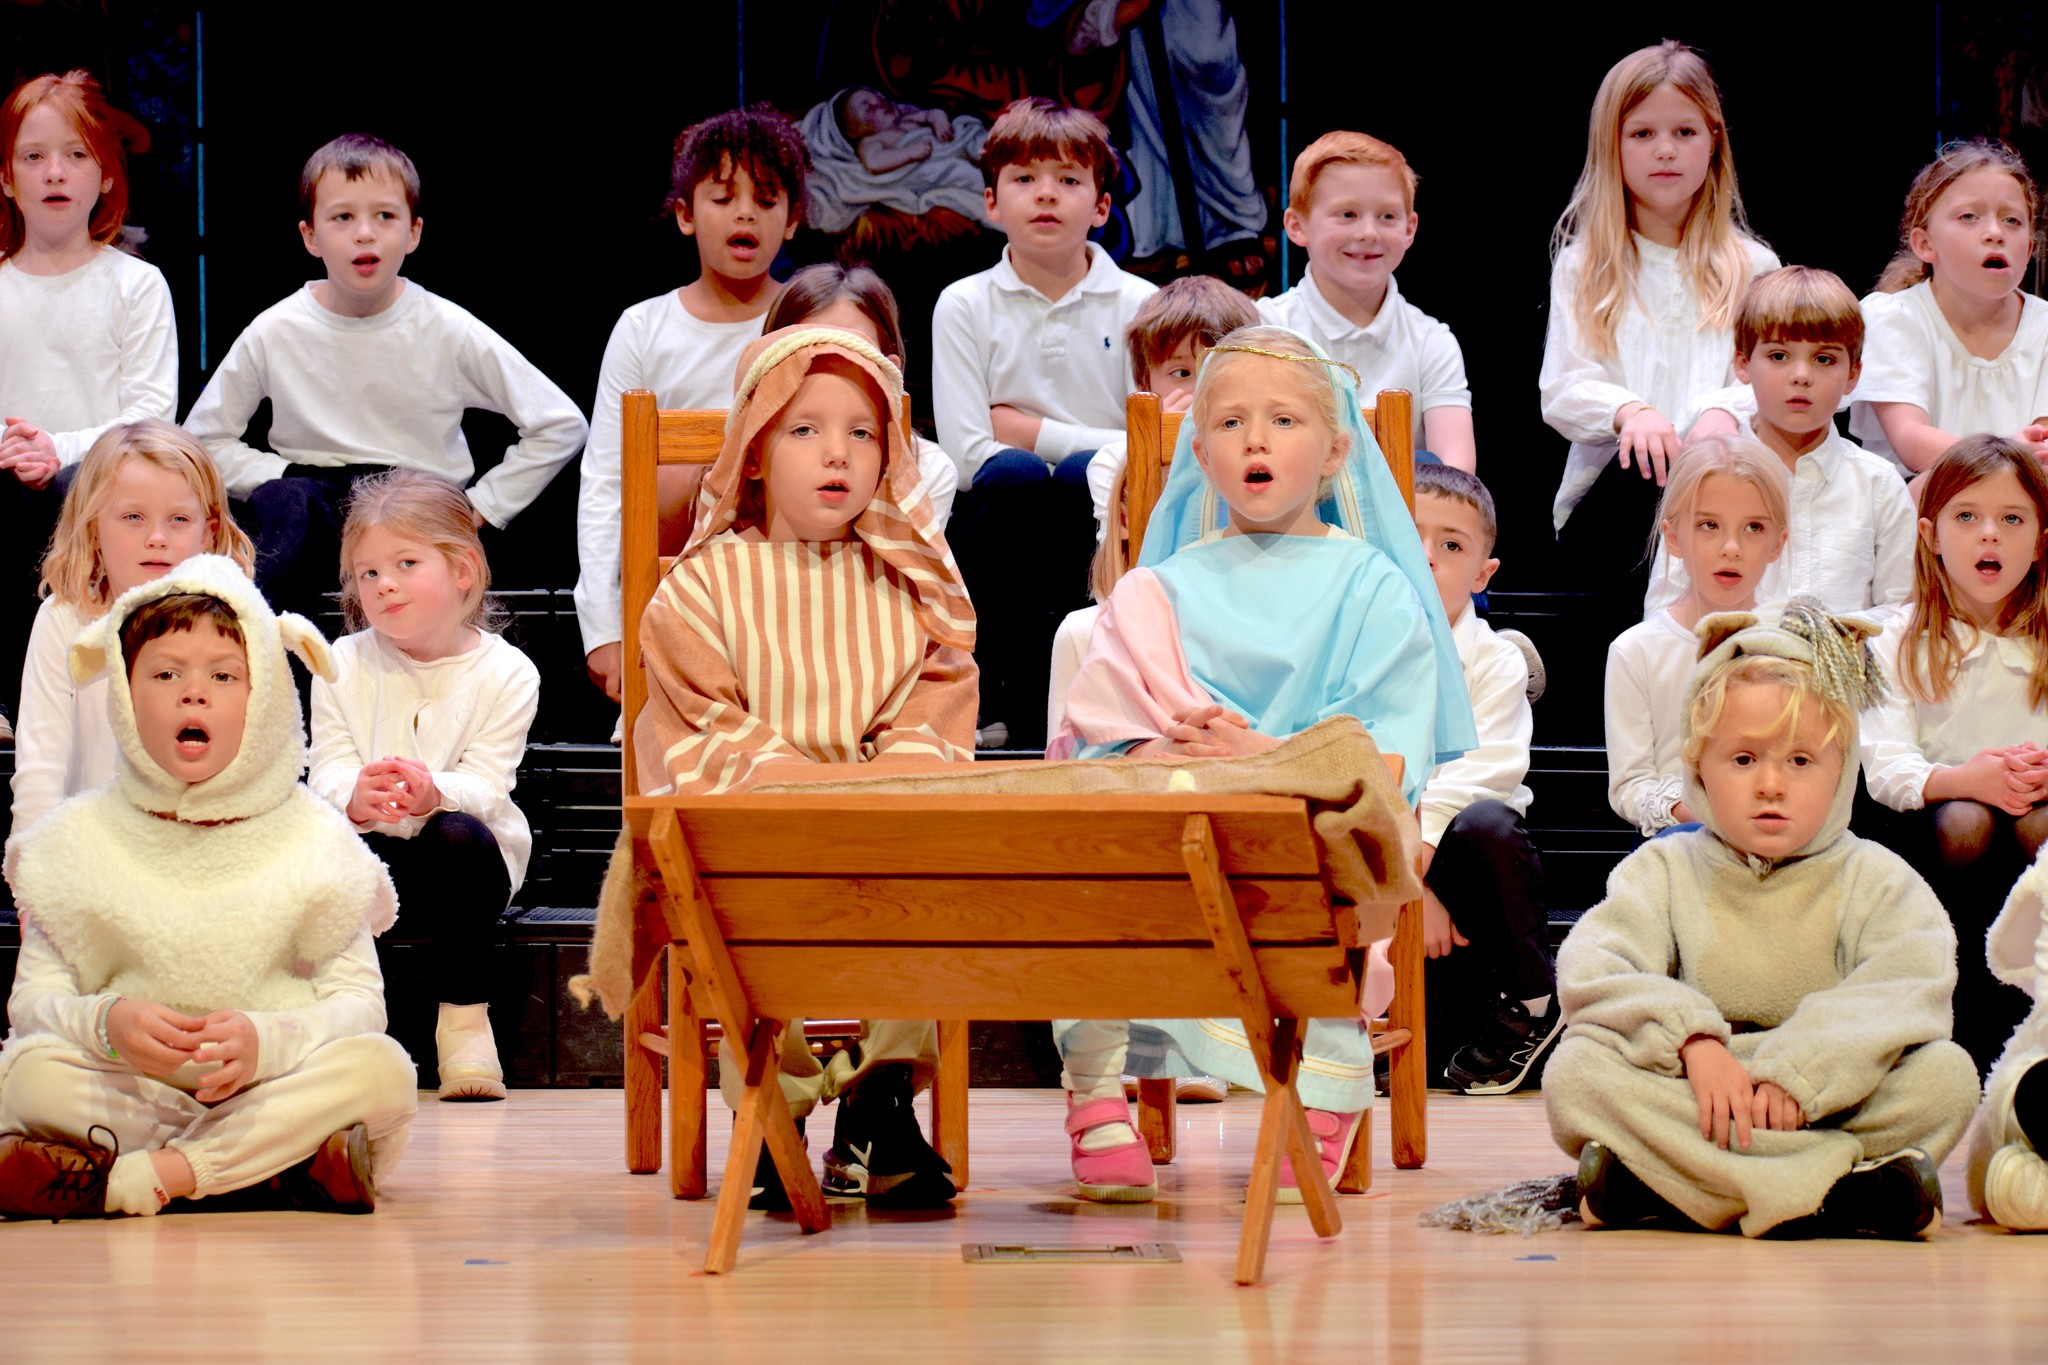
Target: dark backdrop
(544, 146)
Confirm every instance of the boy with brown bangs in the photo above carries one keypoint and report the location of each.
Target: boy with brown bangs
(1028, 381)
(366, 371)
(1167, 340)
(1351, 207)
(1852, 526)
(736, 188)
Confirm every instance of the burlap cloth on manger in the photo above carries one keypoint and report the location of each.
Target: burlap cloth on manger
(1354, 805)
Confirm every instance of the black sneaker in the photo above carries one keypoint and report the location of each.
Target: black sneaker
(1505, 1053)
(1897, 1197)
(1613, 1196)
(878, 1152)
(770, 1194)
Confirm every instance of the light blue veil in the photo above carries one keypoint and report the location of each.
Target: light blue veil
(1364, 502)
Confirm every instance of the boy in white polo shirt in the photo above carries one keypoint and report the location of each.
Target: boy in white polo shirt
(1491, 987)
(1029, 377)
(1351, 206)
(366, 371)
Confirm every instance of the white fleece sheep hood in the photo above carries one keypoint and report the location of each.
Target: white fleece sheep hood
(227, 893)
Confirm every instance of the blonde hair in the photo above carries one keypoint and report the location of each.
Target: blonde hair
(1600, 218)
(1739, 457)
(1347, 149)
(1762, 670)
(428, 509)
(1954, 161)
(1932, 652)
(1282, 347)
(72, 570)
(1113, 551)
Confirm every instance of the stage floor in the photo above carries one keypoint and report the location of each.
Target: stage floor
(511, 1231)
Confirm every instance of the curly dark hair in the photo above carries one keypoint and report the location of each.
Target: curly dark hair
(757, 140)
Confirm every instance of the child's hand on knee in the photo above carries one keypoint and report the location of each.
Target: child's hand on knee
(154, 1039)
(227, 1037)
(1772, 1109)
(1439, 931)
(1645, 435)
(1722, 1088)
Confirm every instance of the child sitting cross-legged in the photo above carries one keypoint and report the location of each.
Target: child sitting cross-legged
(815, 616)
(198, 1008)
(1757, 1015)
(1280, 583)
(1492, 1009)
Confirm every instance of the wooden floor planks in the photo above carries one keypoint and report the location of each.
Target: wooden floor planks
(512, 1232)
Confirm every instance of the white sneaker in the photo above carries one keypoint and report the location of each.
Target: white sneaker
(468, 1054)
(2016, 1187)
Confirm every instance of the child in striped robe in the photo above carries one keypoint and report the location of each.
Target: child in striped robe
(816, 616)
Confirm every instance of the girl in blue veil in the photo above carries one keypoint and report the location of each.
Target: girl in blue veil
(1281, 582)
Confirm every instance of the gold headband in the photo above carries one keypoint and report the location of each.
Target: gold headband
(1298, 359)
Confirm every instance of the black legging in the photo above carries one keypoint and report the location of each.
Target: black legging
(452, 887)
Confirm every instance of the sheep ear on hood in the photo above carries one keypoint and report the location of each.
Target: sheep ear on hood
(304, 639)
(94, 646)
(1714, 629)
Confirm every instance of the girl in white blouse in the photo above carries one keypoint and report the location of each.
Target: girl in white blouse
(1953, 345)
(1959, 733)
(1650, 260)
(418, 739)
(1723, 517)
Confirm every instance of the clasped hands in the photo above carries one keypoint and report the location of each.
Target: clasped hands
(1206, 731)
(390, 789)
(156, 1040)
(1731, 1103)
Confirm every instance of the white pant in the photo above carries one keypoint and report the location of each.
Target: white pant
(60, 1092)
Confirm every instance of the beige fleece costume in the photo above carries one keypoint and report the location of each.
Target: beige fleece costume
(243, 891)
(1828, 973)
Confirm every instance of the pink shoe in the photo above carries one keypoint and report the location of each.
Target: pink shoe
(1336, 1133)
(1119, 1175)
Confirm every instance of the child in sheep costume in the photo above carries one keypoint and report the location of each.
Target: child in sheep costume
(231, 916)
(2008, 1178)
(1826, 973)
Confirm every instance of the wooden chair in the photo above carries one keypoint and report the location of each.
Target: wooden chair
(1152, 436)
(1004, 907)
(654, 438)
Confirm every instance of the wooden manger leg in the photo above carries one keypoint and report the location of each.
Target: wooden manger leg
(763, 1116)
(643, 1076)
(1156, 1118)
(1408, 1067)
(1276, 1047)
(688, 1074)
(949, 1099)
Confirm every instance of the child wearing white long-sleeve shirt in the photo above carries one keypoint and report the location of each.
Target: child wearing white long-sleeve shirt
(1852, 529)
(365, 370)
(417, 738)
(1484, 924)
(1651, 257)
(1723, 513)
